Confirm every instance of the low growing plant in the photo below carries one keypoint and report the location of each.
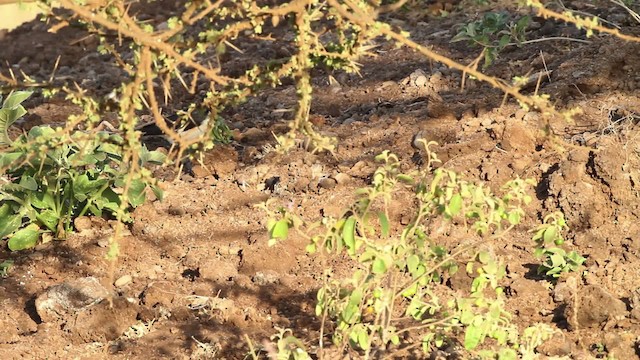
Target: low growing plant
(555, 260)
(51, 177)
(392, 290)
(493, 33)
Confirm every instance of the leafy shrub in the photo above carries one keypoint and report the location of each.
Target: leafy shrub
(555, 261)
(51, 178)
(392, 290)
(493, 33)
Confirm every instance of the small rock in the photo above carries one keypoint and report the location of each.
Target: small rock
(43, 247)
(558, 345)
(265, 278)
(421, 81)
(104, 242)
(201, 171)
(254, 135)
(69, 297)
(436, 79)
(36, 256)
(518, 137)
(342, 178)
(562, 292)
(327, 183)
(163, 26)
(123, 280)
(417, 77)
(175, 210)
(82, 223)
(532, 117)
(519, 115)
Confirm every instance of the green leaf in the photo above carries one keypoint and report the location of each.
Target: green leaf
(351, 310)
(405, 179)
(504, 40)
(348, 235)
(158, 192)
(28, 183)
(49, 218)
(410, 291)
(311, 248)
(473, 337)
(507, 354)
(550, 234)
(455, 205)
(363, 339)
(25, 238)
(9, 222)
(109, 200)
(43, 199)
(16, 98)
(8, 159)
(412, 264)
(484, 257)
(514, 218)
(135, 193)
(82, 187)
(379, 266)
(280, 229)
(384, 224)
(153, 157)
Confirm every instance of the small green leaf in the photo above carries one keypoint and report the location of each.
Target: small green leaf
(504, 40)
(16, 98)
(348, 235)
(412, 264)
(49, 218)
(455, 205)
(153, 157)
(351, 311)
(135, 193)
(158, 192)
(472, 337)
(550, 234)
(384, 224)
(28, 183)
(9, 222)
(25, 238)
(311, 248)
(280, 229)
(514, 218)
(363, 339)
(43, 200)
(484, 257)
(379, 266)
(405, 179)
(8, 159)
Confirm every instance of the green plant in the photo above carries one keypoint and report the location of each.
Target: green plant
(51, 177)
(493, 33)
(392, 288)
(11, 111)
(288, 346)
(555, 260)
(5, 267)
